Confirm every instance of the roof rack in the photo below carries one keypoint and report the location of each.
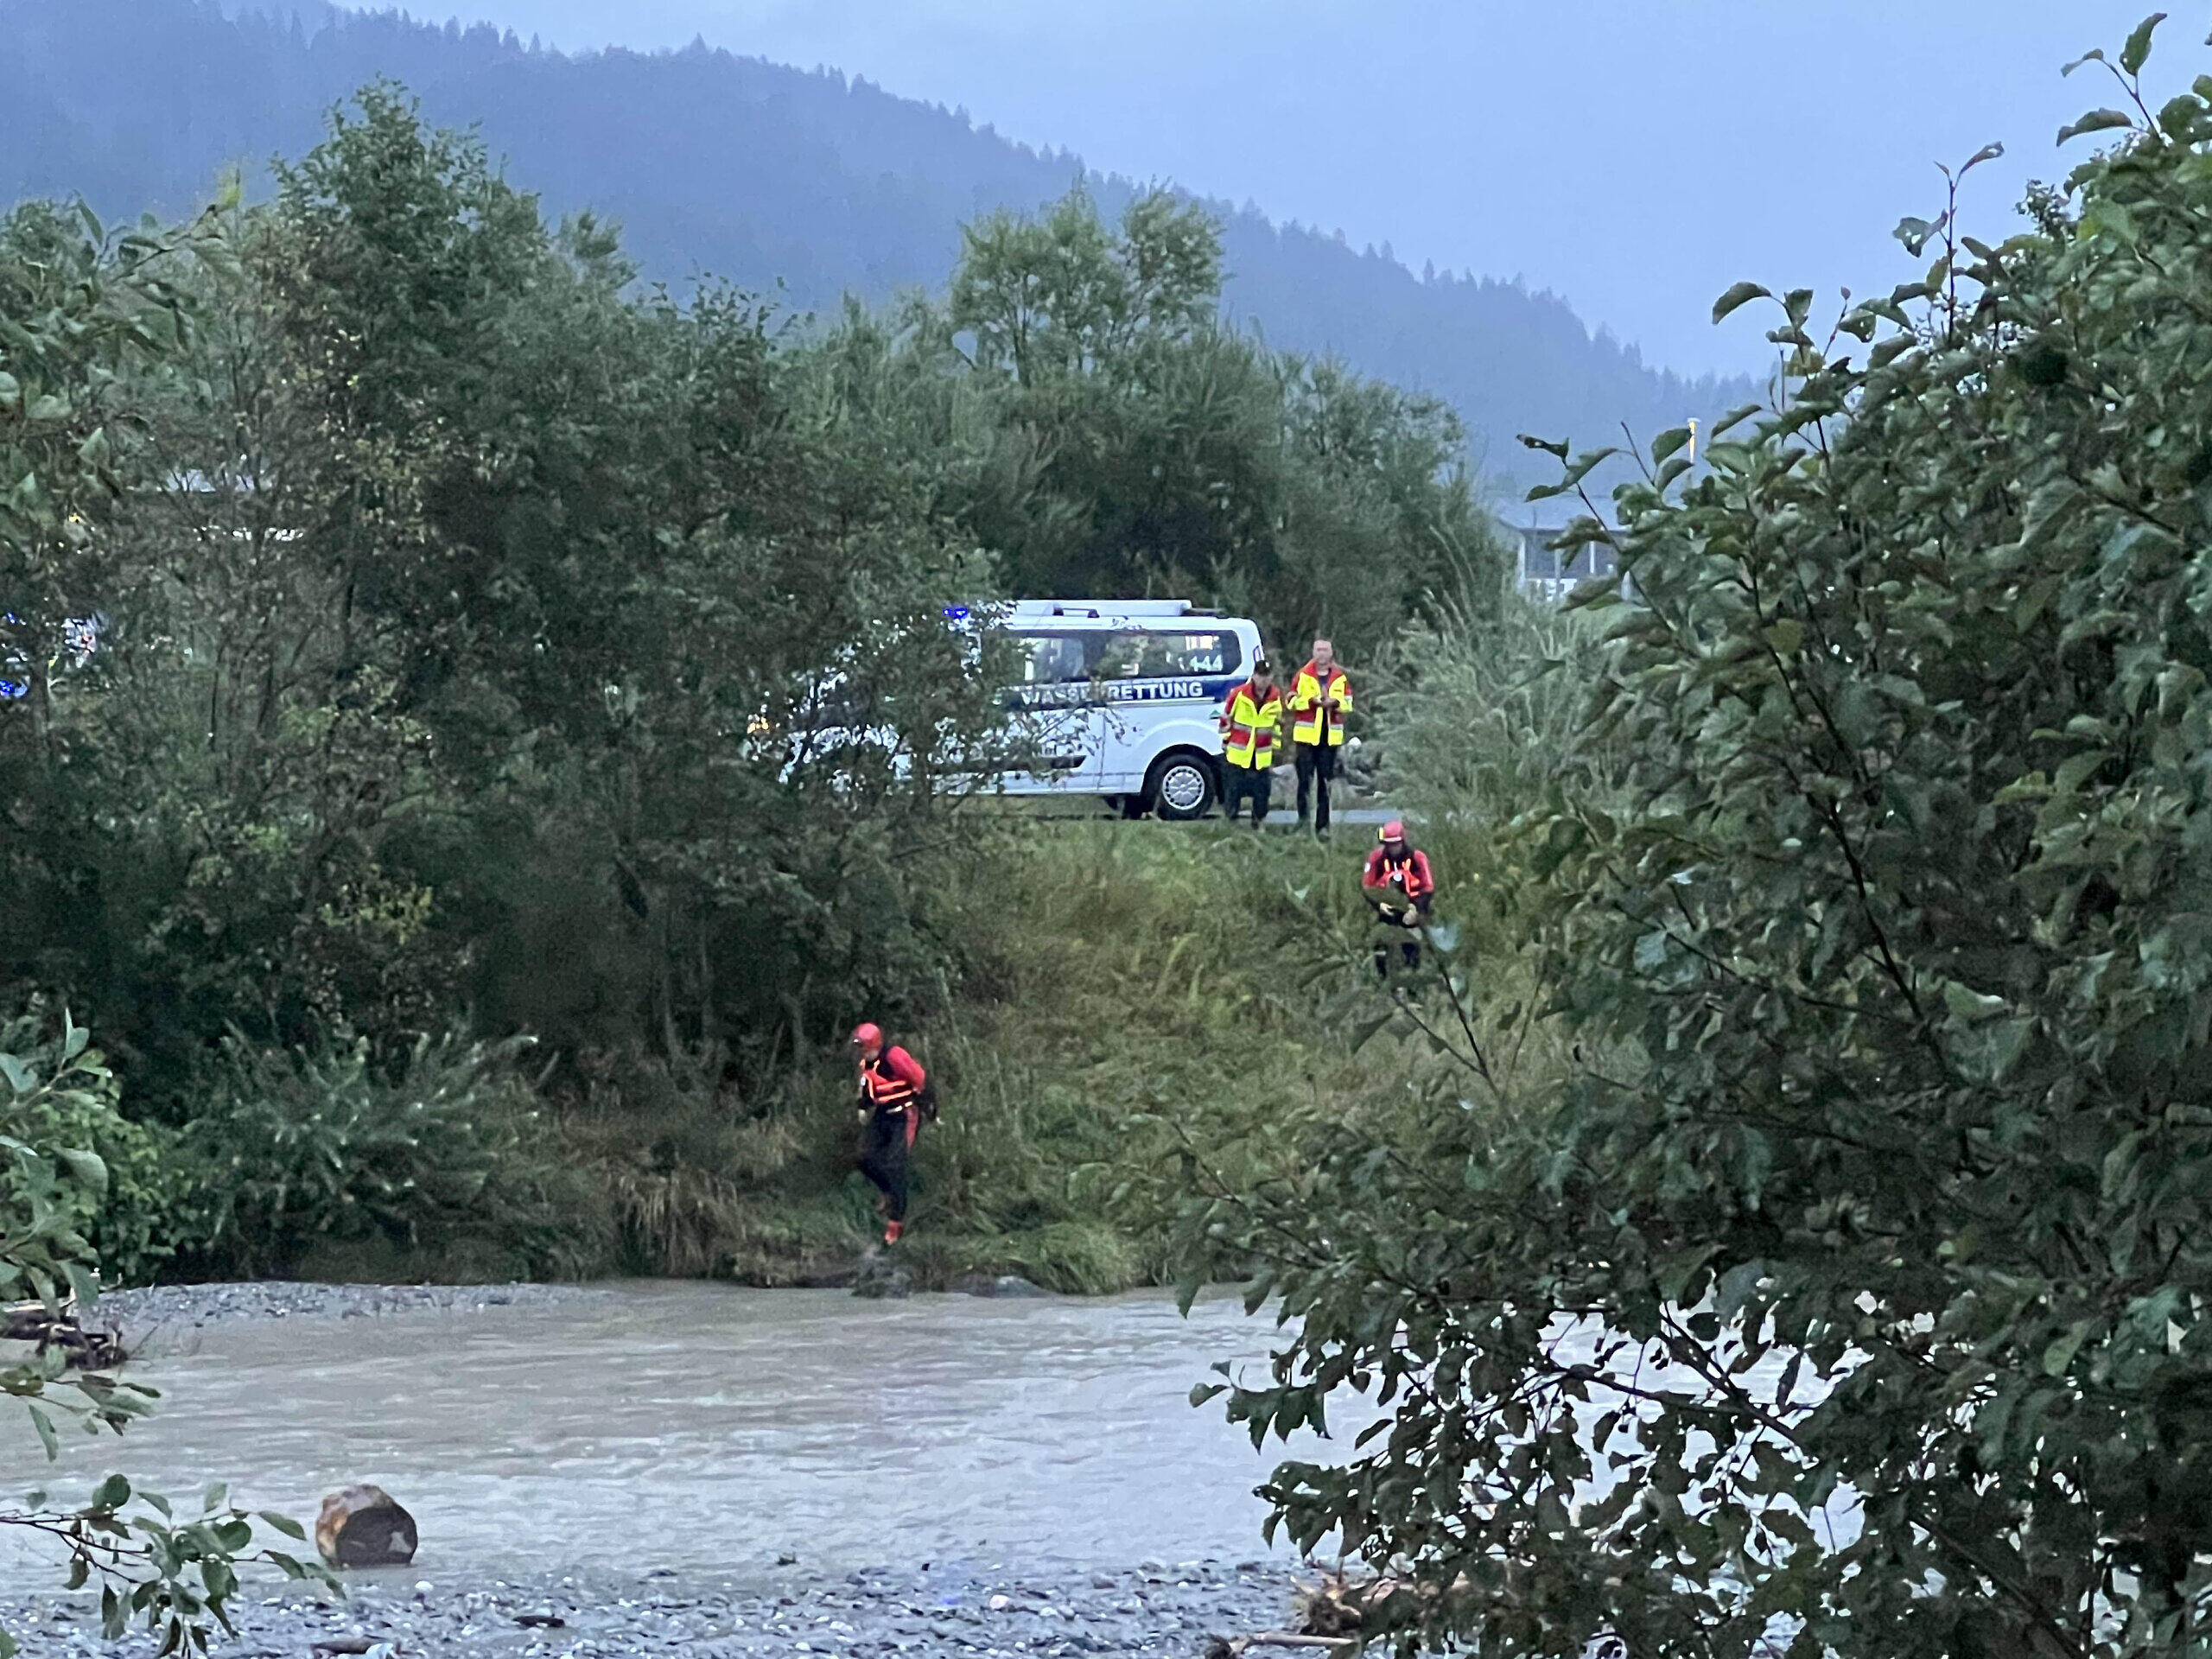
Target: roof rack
(1096, 608)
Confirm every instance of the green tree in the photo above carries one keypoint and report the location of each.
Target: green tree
(475, 617)
(1101, 431)
(1849, 1295)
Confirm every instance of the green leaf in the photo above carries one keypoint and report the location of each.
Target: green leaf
(112, 1494)
(1969, 1005)
(11, 390)
(2095, 121)
(83, 1288)
(18, 1075)
(2060, 1353)
(87, 1166)
(1741, 295)
(1200, 1393)
(1916, 232)
(2113, 217)
(284, 1523)
(2136, 52)
(1668, 441)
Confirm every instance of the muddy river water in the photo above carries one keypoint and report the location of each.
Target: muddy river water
(698, 1426)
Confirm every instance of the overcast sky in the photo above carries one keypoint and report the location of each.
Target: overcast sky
(1636, 158)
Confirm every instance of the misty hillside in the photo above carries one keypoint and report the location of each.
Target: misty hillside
(758, 172)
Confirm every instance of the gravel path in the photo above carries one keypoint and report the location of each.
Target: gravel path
(944, 1609)
(177, 1306)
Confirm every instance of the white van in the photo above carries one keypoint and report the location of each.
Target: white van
(1119, 697)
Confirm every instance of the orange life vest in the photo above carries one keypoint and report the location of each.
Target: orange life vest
(885, 1087)
(1249, 724)
(1411, 867)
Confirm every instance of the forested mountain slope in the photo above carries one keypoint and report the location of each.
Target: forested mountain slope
(762, 174)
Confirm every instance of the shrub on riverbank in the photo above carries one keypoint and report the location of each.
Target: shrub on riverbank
(326, 1164)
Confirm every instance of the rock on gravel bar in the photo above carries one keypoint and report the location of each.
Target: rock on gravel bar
(177, 1306)
(956, 1609)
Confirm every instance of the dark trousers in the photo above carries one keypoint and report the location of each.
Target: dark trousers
(1401, 929)
(1240, 782)
(885, 1152)
(1316, 764)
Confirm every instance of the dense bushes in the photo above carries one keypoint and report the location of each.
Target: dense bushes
(1847, 1294)
(324, 1163)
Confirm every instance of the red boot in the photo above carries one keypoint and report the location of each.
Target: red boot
(892, 1230)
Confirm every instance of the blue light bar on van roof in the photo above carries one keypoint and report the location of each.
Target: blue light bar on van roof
(956, 613)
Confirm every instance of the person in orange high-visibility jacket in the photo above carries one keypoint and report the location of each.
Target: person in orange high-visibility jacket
(896, 1094)
(1320, 697)
(1251, 721)
(1399, 885)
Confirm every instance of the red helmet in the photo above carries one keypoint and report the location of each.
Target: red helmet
(1394, 830)
(867, 1036)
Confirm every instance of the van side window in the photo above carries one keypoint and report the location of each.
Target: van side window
(1051, 658)
(1142, 654)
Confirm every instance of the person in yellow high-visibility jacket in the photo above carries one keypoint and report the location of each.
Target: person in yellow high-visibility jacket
(1251, 721)
(1320, 697)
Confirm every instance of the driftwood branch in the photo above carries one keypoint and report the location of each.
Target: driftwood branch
(35, 1322)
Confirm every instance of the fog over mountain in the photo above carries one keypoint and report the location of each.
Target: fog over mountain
(766, 175)
(1636, 158)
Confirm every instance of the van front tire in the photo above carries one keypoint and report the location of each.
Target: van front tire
(1182, 785)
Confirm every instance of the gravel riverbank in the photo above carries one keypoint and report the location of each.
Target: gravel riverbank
(190, 1306)
(179, 1305)
(967, 1608)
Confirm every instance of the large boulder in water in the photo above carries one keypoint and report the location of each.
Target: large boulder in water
(361, 1526)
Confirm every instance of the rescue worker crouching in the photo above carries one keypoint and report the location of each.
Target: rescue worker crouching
(896, 1095)
(1398, 882)
(1251, 721)
(1320, 697)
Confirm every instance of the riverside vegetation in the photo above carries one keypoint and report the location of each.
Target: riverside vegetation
(1776, 1222)
(470, 730)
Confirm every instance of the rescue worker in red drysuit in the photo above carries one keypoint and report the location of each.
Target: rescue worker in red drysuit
(896, 1094)
(1398, 882)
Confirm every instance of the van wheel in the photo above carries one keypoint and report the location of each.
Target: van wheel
(1182, 785)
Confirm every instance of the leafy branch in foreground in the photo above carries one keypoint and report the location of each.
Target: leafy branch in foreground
(176, 1576)
(1849, 1295)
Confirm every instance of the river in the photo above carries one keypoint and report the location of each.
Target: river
(695, 1427)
